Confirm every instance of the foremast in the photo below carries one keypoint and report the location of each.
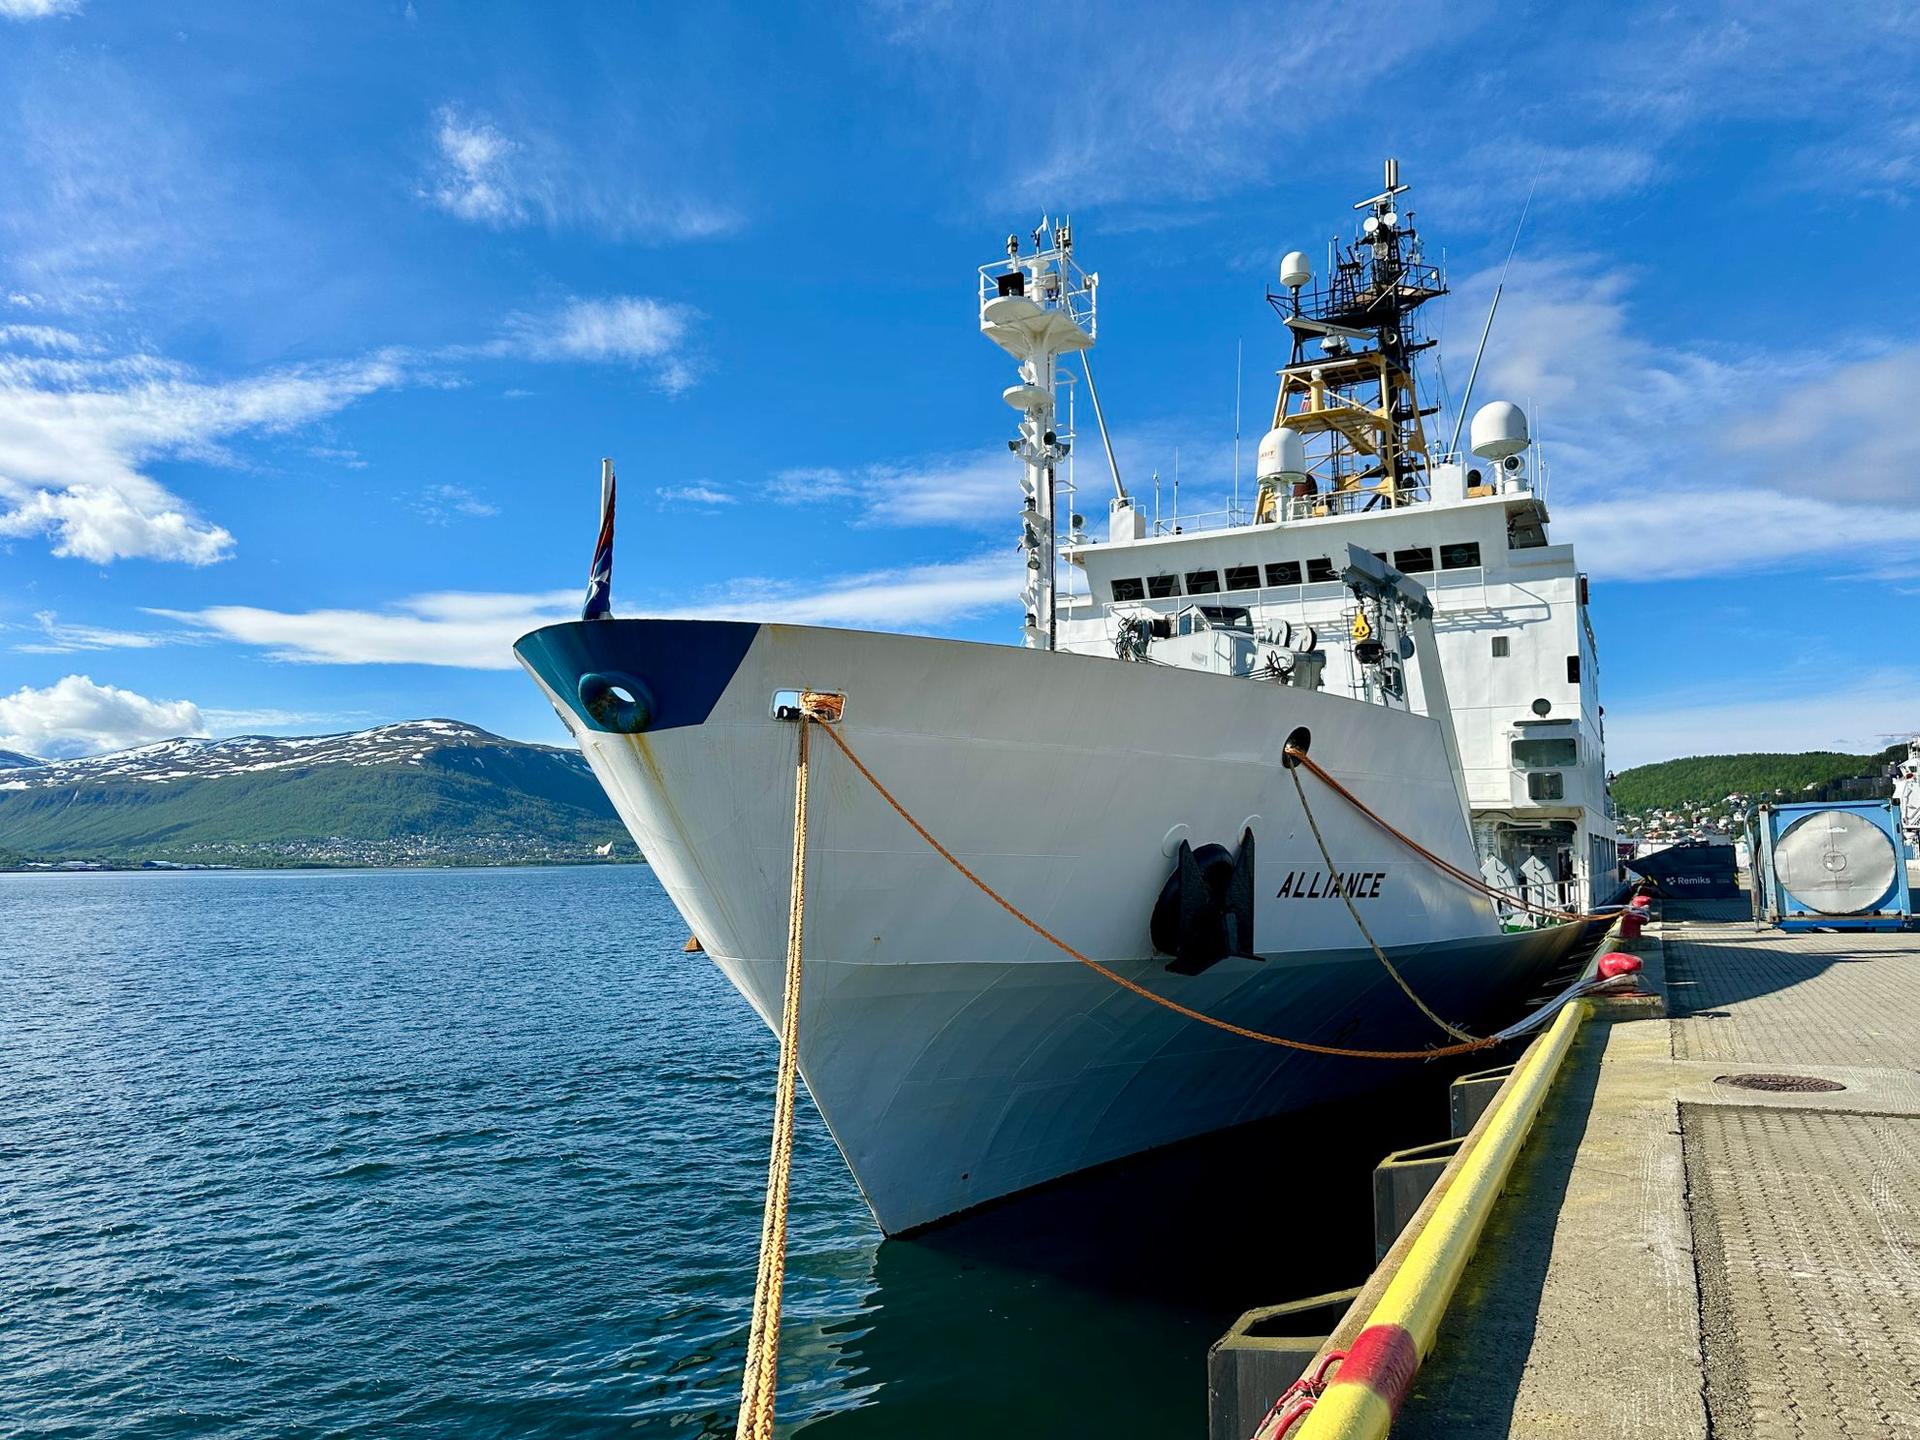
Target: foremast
(1038, 307)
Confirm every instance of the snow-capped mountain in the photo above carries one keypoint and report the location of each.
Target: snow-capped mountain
(410, 742)
(420, 792)
(14, 760)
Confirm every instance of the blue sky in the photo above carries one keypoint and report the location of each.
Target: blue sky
(316, 319)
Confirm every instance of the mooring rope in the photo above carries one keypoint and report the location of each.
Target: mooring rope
(1379, 954)
(761, 1381)
(1472, 881)
(1108, 973)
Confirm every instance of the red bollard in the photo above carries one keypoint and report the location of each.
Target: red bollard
(1630, 923)
(1615, 964)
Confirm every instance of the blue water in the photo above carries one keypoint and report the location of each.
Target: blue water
(481, 1152)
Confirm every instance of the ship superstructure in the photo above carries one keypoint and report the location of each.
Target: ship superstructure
(1258, 593)
(1393, 613)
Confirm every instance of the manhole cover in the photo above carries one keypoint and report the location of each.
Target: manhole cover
(1780, 1084)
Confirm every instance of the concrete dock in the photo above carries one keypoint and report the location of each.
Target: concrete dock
(1679, 1254)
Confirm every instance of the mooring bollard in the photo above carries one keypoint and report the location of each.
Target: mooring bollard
(1400, 1183)
(1265, 1352)
(1469, 1096)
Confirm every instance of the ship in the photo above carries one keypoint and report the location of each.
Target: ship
(1133, 776)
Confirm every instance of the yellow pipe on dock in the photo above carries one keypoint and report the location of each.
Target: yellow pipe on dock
(1378, 1372)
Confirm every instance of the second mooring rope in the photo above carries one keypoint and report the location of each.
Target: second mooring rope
(761, 1382)
(1354, 910)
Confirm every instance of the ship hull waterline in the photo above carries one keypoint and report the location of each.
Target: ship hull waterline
(956, 1056)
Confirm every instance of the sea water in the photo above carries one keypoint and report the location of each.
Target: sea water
(481, 1153)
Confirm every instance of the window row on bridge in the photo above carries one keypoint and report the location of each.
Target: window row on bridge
(1419, 560)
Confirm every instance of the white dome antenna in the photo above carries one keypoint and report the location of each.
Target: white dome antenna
(1295, 270)
(1282, 457)
(1499, 430)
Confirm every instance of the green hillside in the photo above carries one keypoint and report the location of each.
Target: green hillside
(1705, 779)
(474, 802)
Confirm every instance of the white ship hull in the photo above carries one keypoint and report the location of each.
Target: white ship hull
(956, 1056)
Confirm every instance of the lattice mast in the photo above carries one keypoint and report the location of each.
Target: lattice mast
(1349, 390)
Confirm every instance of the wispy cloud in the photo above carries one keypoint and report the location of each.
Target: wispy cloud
(40, 337)
(701, 494)
(476, 630)
(74, 716)
(977, 490)
(56, 638)
(617, 329)
(482, 174)
(442, 504)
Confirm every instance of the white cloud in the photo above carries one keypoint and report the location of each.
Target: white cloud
(37, 9)
(476, 183)
(442, 503)
(1678, 534)
(270, 721)
(981, 490)
(463, 630)
(617, 329)
(695, 495)
(1668, 461)
(58, 639)
(476, 630)
(629, 328)
(484, 175)
(74, 716)
(74, 435)
(1854, 717)
(1848, 432)
(933, 597)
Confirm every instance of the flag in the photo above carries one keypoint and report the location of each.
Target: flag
(599, 604)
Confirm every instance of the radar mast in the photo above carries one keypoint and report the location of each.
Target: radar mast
(1356, 402)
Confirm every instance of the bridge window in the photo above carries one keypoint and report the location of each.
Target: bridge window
(1163, 587)
(1464, 556)
(1546, 785)
(1286, 572)
(1243, 577)
(1319, 571)
(1129, 589)
(1203, 582)
(1412, 562)
(1538, 754)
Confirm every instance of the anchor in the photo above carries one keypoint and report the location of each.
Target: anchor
(1205, 910)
